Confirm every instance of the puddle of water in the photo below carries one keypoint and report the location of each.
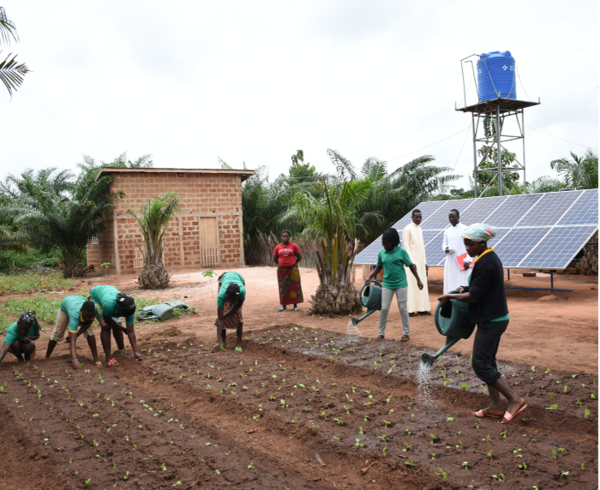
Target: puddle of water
(424, 390)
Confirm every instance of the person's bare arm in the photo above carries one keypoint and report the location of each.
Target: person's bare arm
(112, 324)
(73, 341)
(465, 297)
(82, 328)
(276, 259)
(3, 351)
(235, 308)
(373, 274)
(413, 269)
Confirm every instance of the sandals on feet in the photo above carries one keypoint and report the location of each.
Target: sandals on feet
(480, 414)
(112, 363)
(405, 338)
(281, 309)
(296, 309)
(508, 417)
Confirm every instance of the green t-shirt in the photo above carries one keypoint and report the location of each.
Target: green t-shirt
(12, 333)
(394, 275)
(500, 318)
(227, 279)
(105, 298)
(71, 305)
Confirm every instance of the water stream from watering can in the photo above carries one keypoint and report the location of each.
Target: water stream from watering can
(424, 389)
(352, 330)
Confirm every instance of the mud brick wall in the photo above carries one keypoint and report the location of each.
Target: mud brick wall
(201, 196)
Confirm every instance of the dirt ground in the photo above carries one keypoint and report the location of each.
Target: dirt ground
(305, 406)
(555, 331)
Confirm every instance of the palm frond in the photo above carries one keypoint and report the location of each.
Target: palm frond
(12, 73)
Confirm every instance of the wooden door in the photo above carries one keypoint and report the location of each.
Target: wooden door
(209, 239)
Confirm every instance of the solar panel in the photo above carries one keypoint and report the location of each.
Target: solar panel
(511, 212)
(584, 211)
(438, 220)
(558, 247)
(513, 247)
(542, 231)
(546, 211)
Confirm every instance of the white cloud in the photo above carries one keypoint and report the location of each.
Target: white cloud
(255, 81)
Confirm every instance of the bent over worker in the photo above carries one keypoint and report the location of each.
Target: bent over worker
(112, 303)
(21, 336)
(76, 315)
(232, 294)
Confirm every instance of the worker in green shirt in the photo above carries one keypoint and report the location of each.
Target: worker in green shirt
(21, 336)
(75, 314)
(232, 294)
(111, 305)
(392, 259)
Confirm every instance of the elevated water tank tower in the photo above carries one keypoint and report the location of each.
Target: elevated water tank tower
(496, 86)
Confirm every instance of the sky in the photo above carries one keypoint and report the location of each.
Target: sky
(191, 81)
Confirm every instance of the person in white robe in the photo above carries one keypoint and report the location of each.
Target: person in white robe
(412, 238)
(453, 246)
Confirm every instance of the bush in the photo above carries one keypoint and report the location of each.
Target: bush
(12, 260)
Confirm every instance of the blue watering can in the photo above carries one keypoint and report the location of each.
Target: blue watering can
(453, 322)
(370, 298)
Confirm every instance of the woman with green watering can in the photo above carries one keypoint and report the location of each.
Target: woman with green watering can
(392, 258)
(488, 309)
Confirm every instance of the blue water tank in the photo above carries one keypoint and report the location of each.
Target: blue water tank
(496, 76)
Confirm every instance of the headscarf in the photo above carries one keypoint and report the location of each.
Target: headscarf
(29, 318)
(479, 232)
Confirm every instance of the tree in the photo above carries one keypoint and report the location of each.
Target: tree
(333, 221)
(579, 172)
(62, 219)
(154, 220)
(89, 163)
(11, 72)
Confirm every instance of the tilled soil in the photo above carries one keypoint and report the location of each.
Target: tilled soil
(298, 408)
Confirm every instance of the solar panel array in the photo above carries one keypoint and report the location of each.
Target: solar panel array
(535, 231)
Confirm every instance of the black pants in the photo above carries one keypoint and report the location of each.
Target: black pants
(485, 348)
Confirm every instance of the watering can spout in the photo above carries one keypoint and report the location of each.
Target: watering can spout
(429, 359)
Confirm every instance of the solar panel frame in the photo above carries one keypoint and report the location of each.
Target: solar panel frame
(560, 222)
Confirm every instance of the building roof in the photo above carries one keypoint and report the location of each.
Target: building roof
(245, 174)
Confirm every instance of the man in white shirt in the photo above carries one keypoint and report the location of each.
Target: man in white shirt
(453, 246)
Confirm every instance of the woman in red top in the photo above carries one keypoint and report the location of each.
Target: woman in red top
(287, 255)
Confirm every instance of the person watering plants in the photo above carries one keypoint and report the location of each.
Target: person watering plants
(232, 294)
(112, 304)
(287, 256)
(75, 314)
(392, 258)
(20, 337)
(489, 311)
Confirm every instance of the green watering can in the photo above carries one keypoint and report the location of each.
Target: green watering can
(370, 298)
(453, 322)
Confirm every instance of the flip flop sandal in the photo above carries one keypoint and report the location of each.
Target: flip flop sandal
(281, 309)
(98, 364)
(112, 363)
(296, 309)
(480, 414)
(509, 417)
(239, 349)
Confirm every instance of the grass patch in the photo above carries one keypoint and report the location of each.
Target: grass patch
(45, 310)
(24, 283)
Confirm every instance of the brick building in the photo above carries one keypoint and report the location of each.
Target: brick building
(207, 233)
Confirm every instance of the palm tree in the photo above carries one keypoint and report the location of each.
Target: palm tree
(65, 221)
(11, 72)
(579, 172)
(153, 221)
(333, 220)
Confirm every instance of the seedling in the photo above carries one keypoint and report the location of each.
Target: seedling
(459, 445)
(523, 466)
(358, 444)
(442, 473)
(499, 477)
(465, 465)
(587, 413)
(564, 473)
(410, 464)
(434, 438)
(489, 455)
(407, 447)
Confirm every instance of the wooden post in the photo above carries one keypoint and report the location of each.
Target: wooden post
(200, 242)
(242, 258)
(182, 265)
(116, 235)
(218, 240)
